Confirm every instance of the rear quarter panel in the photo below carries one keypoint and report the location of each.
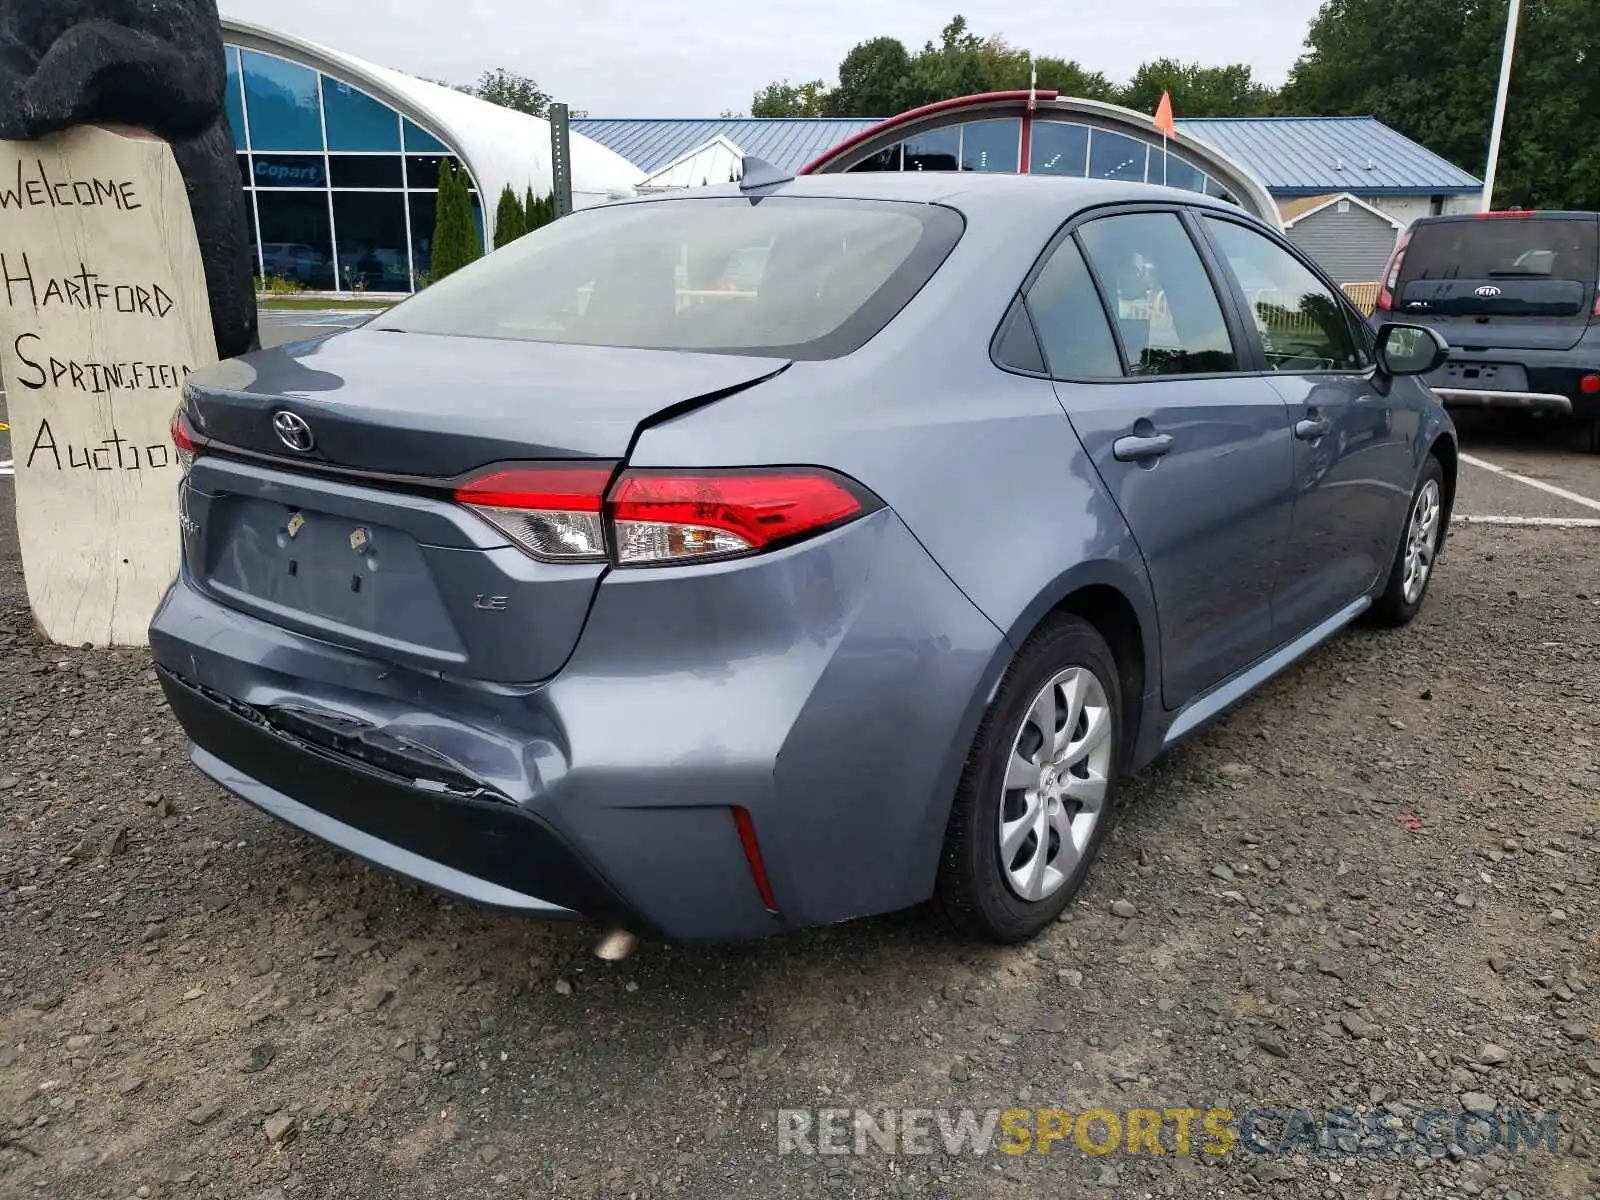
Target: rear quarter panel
(981, 465)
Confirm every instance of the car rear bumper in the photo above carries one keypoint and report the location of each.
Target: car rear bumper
(1547, 402)
(830, 690)
(1548, 382)
(491, 853)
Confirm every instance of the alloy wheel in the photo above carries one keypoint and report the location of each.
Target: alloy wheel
(1056, 782)
(1422, 541)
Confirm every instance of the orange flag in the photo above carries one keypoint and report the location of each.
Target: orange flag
(1164, 121)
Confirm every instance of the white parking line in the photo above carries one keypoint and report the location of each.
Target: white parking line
(1548, 522)
(1533, 483)
(6, 468)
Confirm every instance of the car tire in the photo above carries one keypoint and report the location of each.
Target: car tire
(991, 884)
(1422, 536)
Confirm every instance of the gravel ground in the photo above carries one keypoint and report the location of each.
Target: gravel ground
(1373, 888)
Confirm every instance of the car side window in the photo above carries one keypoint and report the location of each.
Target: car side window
(1167, 313)
(1070, 320)
(1303, 325)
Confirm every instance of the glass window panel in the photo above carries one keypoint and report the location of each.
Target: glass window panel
(424, 212)
(883, 160)
(356, 121)
(295, 239)
(289, 171)
(935, 150)
(1166, 309)
(285, 113)
(371, 232)
(244, 170)
(1058, 149)
(1070, 319)
(418, 138)
(422, 170)
(232, 99)
(1174, 172)
(1113, 156)
(365, 170)
(1302, 324)
(991, 146)
(250, 220)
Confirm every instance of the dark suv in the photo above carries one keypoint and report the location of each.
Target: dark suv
(1514, 293)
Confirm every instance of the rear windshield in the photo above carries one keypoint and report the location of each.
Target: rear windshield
(785, 276)
(1540, 248)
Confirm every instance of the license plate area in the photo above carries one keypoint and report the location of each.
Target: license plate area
(328, 572)
(1482, 377)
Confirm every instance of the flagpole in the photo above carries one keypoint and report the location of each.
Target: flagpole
(1163, 158)
(1506, 55)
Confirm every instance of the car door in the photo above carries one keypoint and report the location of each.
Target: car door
(1194, 448)
(1353, 437)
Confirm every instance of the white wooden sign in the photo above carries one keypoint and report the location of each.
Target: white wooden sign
(103, 313)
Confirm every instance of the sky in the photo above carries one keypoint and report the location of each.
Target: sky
(676, 58)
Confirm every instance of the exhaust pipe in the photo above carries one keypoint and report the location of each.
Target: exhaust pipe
(616, 945)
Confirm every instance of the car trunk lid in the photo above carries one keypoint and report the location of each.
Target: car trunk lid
(358, 541)
(413, 404)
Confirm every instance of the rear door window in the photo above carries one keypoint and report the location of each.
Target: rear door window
(1167, 314)
(786, 277)
(1072, 326)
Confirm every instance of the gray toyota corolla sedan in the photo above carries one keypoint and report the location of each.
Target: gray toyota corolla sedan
(784, 552)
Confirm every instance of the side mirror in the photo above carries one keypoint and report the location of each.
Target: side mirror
(1411, 349)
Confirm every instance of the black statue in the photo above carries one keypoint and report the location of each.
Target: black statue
(157, 65)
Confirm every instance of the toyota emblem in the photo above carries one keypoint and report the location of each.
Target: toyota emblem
(1488, 291)
(293, 431)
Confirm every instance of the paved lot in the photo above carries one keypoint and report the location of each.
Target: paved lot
(1371, 888)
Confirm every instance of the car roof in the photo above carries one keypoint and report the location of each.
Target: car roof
(973, 193)
(1515, 214)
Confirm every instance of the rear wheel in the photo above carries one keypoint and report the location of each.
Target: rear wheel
(1419, 549)
(1036, 796)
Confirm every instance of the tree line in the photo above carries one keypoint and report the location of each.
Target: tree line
(455, 230)
(1427, 68)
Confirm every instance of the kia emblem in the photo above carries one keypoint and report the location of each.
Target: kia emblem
(1488, 291)
(293, 431)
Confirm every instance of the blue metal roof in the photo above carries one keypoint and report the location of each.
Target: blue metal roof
(1314, 156)
(1291, 156)
(651, 142)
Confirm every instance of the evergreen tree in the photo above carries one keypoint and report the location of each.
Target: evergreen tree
(455, 236)
(541, 211)
(510, 218)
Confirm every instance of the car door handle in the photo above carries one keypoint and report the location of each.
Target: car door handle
(1138, 449)
(1311, 430)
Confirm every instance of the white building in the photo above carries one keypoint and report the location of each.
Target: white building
(340, 160)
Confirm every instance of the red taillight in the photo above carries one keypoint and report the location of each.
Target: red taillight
(552, 512)
(1590, 385)
(183, 441)
(1507, 212)
(1391, 273)
(562, 513)
(663, 517)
